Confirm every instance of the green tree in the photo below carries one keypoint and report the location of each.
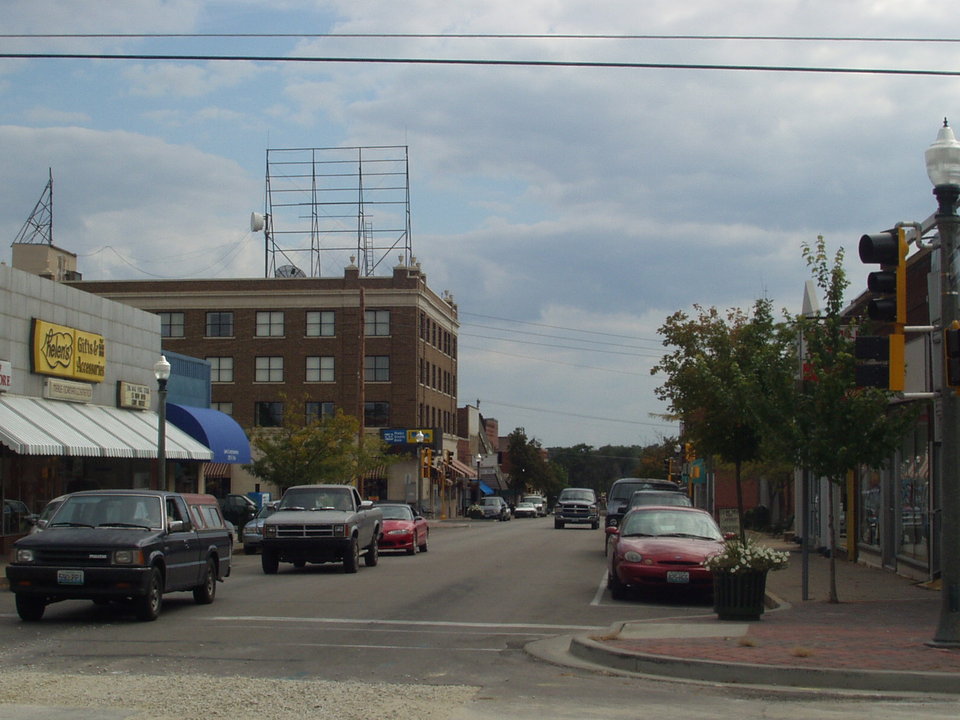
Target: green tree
(727, 377)
(528, 468)
(835, 425)
(322, 451)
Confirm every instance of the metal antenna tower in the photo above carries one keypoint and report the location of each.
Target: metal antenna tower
(38, 228)
(327, 205)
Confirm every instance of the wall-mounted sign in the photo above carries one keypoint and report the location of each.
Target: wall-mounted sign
(6, 375)
(56, 389)
(67, 352)
(133, 396)
(408, 436)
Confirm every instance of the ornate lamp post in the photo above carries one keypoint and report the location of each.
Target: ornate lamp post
(479, 458)
(419, 437)
(161, 371)
(943, 168)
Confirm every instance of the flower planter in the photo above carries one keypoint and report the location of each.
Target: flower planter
(739, 596)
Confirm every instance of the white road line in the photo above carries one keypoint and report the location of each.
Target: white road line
(393, 647)
(416, 623)
(600, 589)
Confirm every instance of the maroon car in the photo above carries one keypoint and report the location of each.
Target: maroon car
(661, 547)
(402, 530)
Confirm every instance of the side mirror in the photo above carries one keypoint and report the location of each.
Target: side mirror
(175, 526)
(612, 530)
(623, 507)
(365, 504)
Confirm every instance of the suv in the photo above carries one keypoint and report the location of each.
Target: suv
(495, 507)
(538, 502)
(576, 505)
(618, 500)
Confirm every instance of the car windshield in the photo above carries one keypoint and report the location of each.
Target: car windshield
(316, 499)
(669, 523)
(577, 495)
(491, 501)
(136, 511)
(266, 511)
(397, 512)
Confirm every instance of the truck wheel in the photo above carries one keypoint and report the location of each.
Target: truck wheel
(557, 525)
(30, 608)
(595, 525)
(147, 607)
(269, 561)
(372, 556)
(351, 559)
(204, 593)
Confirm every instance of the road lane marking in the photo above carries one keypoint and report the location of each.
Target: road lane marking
(415, 623)
(600, 590)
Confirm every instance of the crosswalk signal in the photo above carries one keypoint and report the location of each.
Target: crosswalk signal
(885, 354)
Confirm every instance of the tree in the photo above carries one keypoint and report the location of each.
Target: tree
(835, 425)
(322, 451)
(726, 378)
(527, 464)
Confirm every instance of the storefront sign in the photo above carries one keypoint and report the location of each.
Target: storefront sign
(407, 436)
(6, 375)
(67, 352)
(54, 389)
(133, 396)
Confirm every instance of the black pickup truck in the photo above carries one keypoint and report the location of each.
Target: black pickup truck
(122, 545)
(321, 523)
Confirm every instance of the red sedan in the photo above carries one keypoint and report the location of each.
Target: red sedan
(402, 530)
(661, 547)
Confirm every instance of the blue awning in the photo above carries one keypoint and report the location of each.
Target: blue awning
(485, 489)
(217, 430)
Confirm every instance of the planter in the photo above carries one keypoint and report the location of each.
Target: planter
(739, 596)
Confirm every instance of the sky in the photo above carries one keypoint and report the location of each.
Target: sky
(569, 206)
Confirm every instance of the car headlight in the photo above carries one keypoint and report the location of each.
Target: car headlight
(269, 531)
(127, 557)
(340, 530)
(398, 532)
(632, 556)
(24, 556)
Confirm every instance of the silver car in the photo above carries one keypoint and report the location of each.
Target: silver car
(253, 530)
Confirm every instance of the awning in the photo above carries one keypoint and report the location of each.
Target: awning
(217, 430)
(462, 469)
(485, 489)
(216, 470)
(36, 426)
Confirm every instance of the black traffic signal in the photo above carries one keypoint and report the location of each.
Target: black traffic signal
(885, 367)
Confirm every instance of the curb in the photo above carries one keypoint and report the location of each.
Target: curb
(583, 647)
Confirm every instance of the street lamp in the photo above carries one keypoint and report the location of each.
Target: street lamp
(161, 371)
(943, 169)
(419, 437)
(479, 458)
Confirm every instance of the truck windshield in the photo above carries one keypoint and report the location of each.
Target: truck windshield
(139, 511)
(316, 499)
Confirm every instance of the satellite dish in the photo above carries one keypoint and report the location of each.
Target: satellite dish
(256, 222)
(289, 271)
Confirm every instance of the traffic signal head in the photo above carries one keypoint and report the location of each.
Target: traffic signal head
(889, 250)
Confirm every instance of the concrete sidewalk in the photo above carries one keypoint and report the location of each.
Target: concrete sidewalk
(874, 639)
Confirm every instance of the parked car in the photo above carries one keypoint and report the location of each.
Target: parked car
(525, 509)
(253, 530)
(238, 509)
(495, 507)
(539, 502)
(657, 547)
(649, 497)
(402, 529)
(16, 516)
(618, 499)
(576, 505)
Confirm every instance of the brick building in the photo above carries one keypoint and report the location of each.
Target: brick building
(279, 345)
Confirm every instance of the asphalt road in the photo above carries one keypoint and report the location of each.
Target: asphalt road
(459, 614)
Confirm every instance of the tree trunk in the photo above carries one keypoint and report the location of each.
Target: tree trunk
(832, 532)
(743, 534)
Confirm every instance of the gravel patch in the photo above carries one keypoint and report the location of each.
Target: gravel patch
(174, 697)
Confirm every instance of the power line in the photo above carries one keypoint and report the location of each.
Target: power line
(564, 347)
(591, 64)
(557, 327)
(578, 415)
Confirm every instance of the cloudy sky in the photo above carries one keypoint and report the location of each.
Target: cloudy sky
(570, 208)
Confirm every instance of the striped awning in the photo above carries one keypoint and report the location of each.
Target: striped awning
(463, 470)
(216, 470)
(37, 426)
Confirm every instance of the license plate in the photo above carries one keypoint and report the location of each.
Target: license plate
(678, 576)
(70, 577)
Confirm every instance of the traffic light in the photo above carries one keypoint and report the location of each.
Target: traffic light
(689, 452)
(885, 367)
(427, 460)
(951, 360)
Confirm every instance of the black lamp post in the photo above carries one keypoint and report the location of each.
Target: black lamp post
(419, 437)
(943, 168)
(479, 458)
(161, 371)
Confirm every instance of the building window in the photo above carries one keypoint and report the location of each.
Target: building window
(376, 368)
(219, 324)
(318, 410)
(376, 322)
(269, 369)
(225, 407)
(320, 369)
(268, 414)
(320, 323)
(270, 323)
(221, 369)
(376, 414)
(171, 324)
